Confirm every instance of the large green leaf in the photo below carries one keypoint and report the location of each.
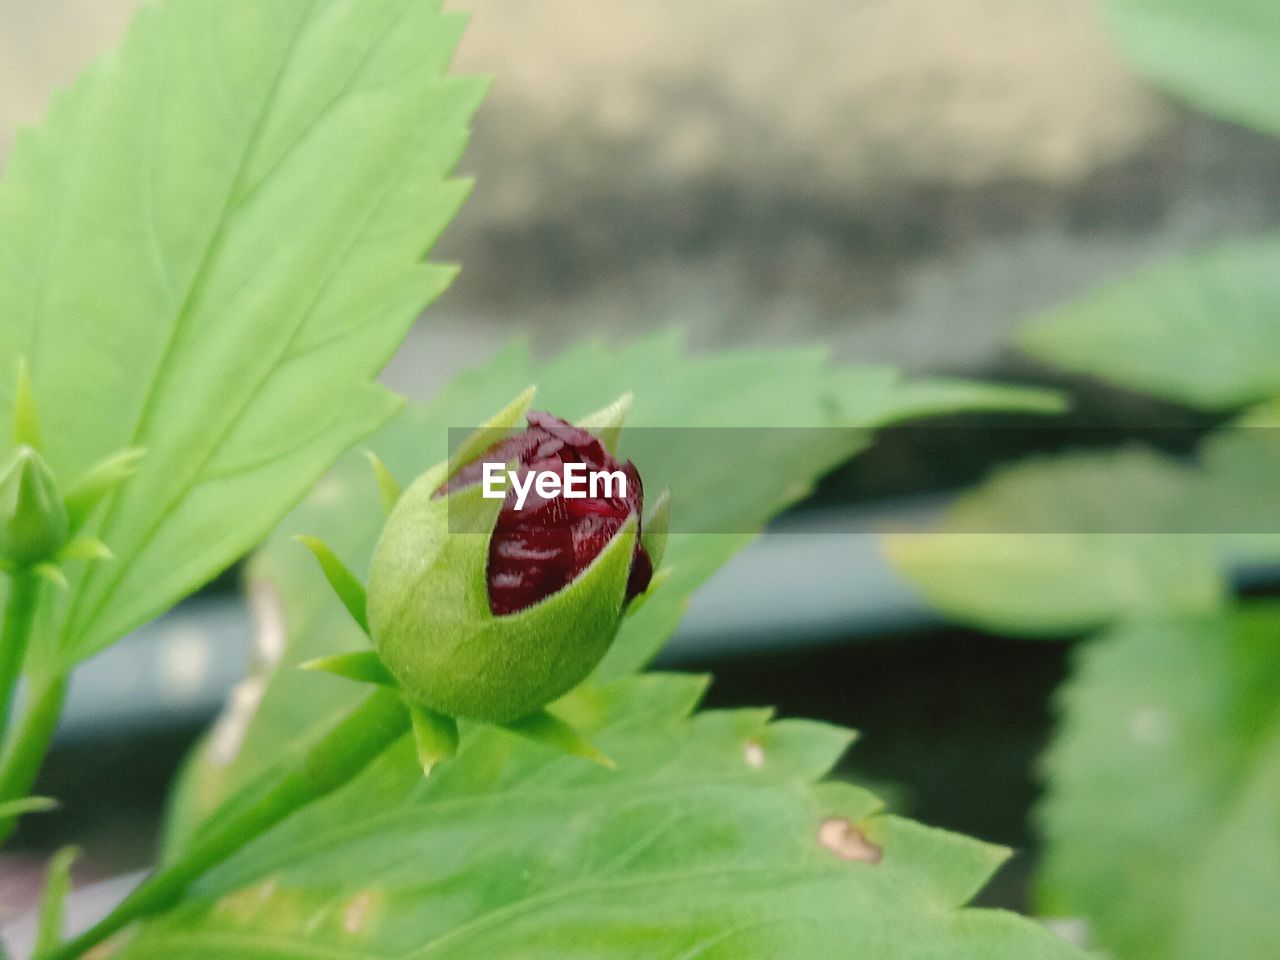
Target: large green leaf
(1163, 814)
(712, 840)
(208, 250)
(1222, 55)
(781, 392)
(1067, 544)
(1202, 330)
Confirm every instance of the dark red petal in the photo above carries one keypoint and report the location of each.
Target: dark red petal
(537, 550)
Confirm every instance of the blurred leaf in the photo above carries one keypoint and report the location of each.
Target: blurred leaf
(1221, 55)
(711, 840)
(24, 805)
(208, 250)
(711, 488)
(1062, 545)
(1240, 486)
(1163, 814)
(57, 887)
(1201, 330)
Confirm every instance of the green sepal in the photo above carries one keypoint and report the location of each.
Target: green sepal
(607, 423)
(26, 422)
(434, 734)
(655, 582)
(344, 583)
(546, 728)
(430, 618)
(85, 548)
(388, 486)
(57, 886)
(33, 517)
(363, 667)
(99, 481)
(654, 534)
(495, 429)
(52, 573)
(24, 805)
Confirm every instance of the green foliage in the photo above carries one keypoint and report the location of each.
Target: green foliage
(779, 389)
(1198, 330)
(1067, 544)
(57, 887)
(1218, 54)
(1162, 821)
(208, 250)
(712, 834)
(711, 839)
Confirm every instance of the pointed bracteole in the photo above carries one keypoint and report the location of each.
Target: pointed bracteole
(25, 805)
(363, 667)
(654, 535)
(655, 582)
(26, 422)
(388, 486)
(98, 482)
(607, 423)
(85, 548)
(51, 573)
(434, 734)
(495, 429)
(349, 590)
(549, 730)
(57, 888)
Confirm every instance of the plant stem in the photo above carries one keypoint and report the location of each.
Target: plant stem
(353, 743)
(29, 743)
(19, 617)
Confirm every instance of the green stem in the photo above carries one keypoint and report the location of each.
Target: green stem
(353, 743)
(19, 617)
(29, 744)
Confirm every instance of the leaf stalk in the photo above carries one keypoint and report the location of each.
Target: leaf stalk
(350, 746)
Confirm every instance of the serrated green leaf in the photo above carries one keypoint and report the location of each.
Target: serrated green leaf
(208, 250)
(1161, 817)
(1221, 55)
(712, 839)
(1199, 330)
(1066, 544)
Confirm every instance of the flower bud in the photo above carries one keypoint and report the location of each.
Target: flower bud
(33, 516)
(486, 611)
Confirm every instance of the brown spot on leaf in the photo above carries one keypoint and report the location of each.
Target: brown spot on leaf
(754, 754)
(846, 841)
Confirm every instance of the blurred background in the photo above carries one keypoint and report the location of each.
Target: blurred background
(902, 180)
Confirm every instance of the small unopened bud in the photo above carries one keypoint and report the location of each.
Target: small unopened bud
(496, 620)
(33, 515)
